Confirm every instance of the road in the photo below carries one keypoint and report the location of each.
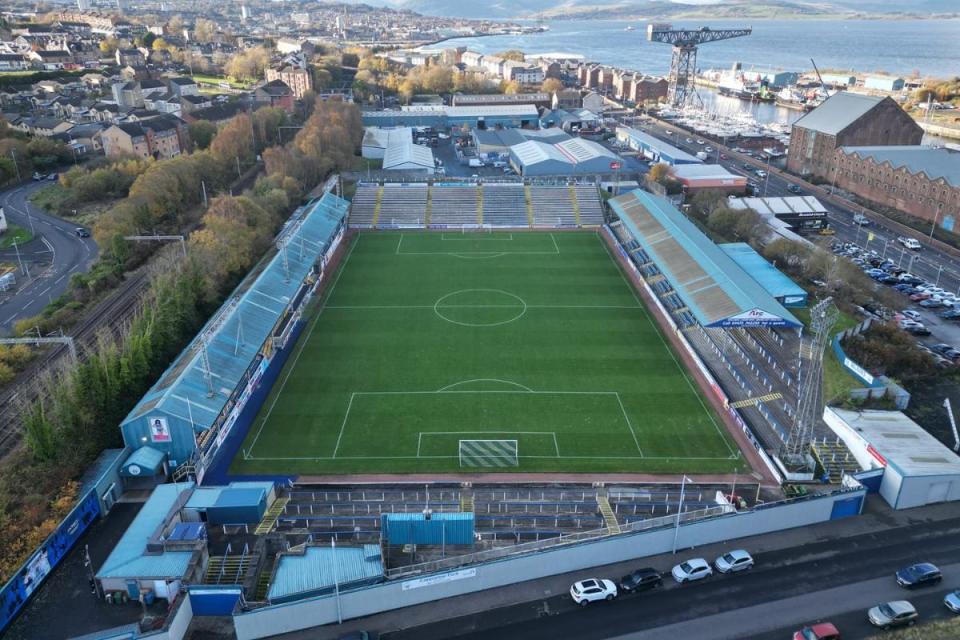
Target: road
(832, 579)
(930, 264)
(56, 245)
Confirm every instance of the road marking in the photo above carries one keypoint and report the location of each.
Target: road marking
(60, 278)
(44, 291)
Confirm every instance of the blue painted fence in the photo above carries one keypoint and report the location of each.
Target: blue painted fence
(34, 571)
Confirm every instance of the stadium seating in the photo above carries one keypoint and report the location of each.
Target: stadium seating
(403, 205)
(453, 206)
(552, 207)
(591, 208)
(364, 203)
(504, 205)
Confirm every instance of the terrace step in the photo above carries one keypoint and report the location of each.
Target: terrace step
(529, 199)
(479, 204)
(271, 516)
(376, 206)
(263, 581)
(609, 517)
(466, 503)
(576, 204)
(428, 209)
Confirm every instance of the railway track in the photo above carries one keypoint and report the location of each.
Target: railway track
(111, 313)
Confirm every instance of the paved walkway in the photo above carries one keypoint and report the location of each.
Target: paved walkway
(877, 517)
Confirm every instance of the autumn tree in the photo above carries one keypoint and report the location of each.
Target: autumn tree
(204, 30)
(512, 54)
(202, 133)
(551, 85)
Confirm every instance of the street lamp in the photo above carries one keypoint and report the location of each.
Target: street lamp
(933, 226)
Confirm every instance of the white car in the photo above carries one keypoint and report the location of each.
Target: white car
(733, 561)
(693, 569)
(699, 141)
(593, 590)
(689, 140)
(913, 315)
(892, 614)
(860, 219)
(952, 601)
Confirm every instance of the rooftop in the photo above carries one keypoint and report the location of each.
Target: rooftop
(838, 112)
(935, 163)
(773, 206)
(767, 276)
(318, 568)
(664, 148)
(130, 558)
(901, 441)
(714, 287)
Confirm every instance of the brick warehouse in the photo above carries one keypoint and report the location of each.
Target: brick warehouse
(921, 181)
(847, 120)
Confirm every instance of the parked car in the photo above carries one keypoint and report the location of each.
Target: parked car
(52, 176)
(952, 601)
(641, 580)
(819, 631)
(892, 614)
(922, 574)
(37, 176)
(919, 296)
(918, 330)
(913, 315)
(593, 590)
(951, 314)
(931, 303)
(693, 569)
(733, 561)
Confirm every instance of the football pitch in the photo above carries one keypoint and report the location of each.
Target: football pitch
(477, 352)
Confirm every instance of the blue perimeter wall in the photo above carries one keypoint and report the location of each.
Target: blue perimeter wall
(34, 571)
(218, 472)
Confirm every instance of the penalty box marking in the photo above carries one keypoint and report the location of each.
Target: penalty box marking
(489, 433)
(468, 254)
(353, 395)
(473, 235)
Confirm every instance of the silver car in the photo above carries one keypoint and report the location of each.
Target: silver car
(733, 561)
(892, 614)
(952, 601)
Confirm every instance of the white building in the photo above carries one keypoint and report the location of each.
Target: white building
(407, 156)
(917, 468)
(376, 140)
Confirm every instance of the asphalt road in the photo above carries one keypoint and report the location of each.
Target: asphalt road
(57, 250)
(926, 263)
(835, 580)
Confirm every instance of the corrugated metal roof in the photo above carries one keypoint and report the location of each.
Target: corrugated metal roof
(239, 497)
(319, 567)
(383, 137)
(711, 284)
(403, 152)
(773, 206)
(204, 497)
(662, 147)
(704, 171)
(935, 163)
(129, 558)
(441, 528)
(903, 442)
(768, 276)
(234, 335)
(838, 112)
(146, 459)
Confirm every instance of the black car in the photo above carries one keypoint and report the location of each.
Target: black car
(922, 574)
(641, 580)
(792, 188)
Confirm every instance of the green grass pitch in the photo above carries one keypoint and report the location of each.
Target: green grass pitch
(532, 345)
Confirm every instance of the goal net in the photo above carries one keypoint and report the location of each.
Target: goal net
(488, 454)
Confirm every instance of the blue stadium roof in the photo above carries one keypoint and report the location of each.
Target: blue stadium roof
(129, 558)
(316, 570)
(235, 334)
(768, 276)
(716, 290)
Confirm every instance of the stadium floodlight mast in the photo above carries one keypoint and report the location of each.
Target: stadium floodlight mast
(823, 317)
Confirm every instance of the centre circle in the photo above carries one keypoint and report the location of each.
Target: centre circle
(480, 307)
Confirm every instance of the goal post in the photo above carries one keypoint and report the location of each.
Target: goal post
(488, 454)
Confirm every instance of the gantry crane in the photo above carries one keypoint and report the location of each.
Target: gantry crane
(683, 66)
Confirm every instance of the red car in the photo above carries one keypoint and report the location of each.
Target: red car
(918, 297)
(820, 631)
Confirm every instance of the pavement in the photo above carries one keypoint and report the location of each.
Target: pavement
(56, 253)
(858, 554)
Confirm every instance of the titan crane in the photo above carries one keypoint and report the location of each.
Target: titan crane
(683, 66)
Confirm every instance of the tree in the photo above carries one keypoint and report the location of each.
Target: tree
(175, 25)
(512, 54)
(511, 87)
(249, 64)
(202, 133)
(148, 39)
(204, 30)
(160, 44)
(109, 46)
(551, 85)
(659, 172)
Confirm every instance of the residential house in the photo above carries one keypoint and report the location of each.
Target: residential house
(299, 79)
(159, 137)
(275, 93)
(183, 86)
(130, 58)
(13, 62)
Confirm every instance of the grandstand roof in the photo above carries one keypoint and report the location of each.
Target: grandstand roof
(767, 276)
(129, 558)
(319, 568)
(234, 335)
(717, 291)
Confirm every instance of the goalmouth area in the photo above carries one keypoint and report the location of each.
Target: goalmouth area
(450, 352)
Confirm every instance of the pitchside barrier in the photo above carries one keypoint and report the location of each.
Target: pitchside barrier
(701, 367)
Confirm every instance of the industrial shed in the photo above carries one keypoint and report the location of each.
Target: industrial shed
(699, 177)
(799, 212)
(315, 570)
(407, 156)
(574, 156)
(654, 149)
(917, 468)
(783, 289)
(376, 140)
(715, 289)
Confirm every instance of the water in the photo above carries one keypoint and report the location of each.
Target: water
(905, 47)
(927, 47)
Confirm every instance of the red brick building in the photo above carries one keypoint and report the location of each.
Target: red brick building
(275, 93)
(843, 120)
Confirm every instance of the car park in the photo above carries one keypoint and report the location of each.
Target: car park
(819, 631)
(952, 601)
(593, 590)
(733, 561)
(690, 570)
(641, 580)
(922, 574)
(892, 614)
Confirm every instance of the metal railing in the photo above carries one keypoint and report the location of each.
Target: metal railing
(551, 543)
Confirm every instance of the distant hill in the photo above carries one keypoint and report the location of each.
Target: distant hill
(664, 9)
